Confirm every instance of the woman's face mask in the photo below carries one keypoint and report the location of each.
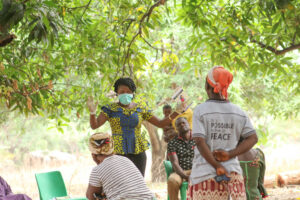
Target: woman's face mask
(125, 98)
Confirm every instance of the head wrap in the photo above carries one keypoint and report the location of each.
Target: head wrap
(101, 143)
(220, 79)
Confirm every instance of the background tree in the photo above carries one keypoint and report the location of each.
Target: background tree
(60, 52)
(253, 36)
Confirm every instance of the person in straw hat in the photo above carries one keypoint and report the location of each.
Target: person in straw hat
(115, 176)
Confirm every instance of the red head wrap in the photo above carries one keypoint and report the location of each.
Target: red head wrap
(220, 79)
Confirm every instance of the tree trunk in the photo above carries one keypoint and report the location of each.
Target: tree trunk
(288, 178)
(159, 147)
(283, 179)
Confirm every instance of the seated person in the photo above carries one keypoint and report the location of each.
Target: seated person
(7, 194)
(188, 114)
(254, 172)
(115, 176)
(181, 154)
(169, 131)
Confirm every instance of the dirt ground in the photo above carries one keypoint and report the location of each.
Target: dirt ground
(76, 174)
(285, 193)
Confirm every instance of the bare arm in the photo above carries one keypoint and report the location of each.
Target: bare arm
(91, 190)
(243, 147)
(207, 154)
(164, 122)
(97, 122)
(176, 166)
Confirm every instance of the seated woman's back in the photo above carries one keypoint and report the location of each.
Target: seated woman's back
(120, 179)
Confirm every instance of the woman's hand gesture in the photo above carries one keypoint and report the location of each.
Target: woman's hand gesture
(91, 105)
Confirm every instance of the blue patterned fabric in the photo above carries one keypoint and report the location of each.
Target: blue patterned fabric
(126, 127)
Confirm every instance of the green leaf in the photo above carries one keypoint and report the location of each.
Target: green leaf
(50, 3)
(183, 3)
(60, 129)
(275, 27)
(149, 25)
(260, 55)
(145, 31)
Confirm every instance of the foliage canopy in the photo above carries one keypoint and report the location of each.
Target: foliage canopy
(57, 52)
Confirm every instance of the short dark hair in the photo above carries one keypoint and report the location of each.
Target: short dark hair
(167, 106)
(125, 81)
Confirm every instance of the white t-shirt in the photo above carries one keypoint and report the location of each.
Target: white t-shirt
(221, 124)
(120, 179)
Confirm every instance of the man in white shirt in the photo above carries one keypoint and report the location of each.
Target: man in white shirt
(115, 177)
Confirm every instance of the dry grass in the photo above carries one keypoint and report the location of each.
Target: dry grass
(283, 158)
(22, 179)
(76, 174)
(286, 193)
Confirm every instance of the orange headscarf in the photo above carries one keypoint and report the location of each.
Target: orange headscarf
(220, 79)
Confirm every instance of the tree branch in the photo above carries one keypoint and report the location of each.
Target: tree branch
(153, 47)
(128, 48)
(78, 7)
(152, 131)
(86, 7)
(126, 31)
(21, 70)
(146, 15)
(272, 49)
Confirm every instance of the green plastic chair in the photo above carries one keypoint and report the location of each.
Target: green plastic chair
(51, 185)
(184, 185)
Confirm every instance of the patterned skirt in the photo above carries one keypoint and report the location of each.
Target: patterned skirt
(212, 190)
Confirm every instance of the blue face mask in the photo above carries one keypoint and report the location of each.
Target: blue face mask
(125, 99)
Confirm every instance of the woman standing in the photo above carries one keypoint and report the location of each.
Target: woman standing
(217, 126)
(125, 118)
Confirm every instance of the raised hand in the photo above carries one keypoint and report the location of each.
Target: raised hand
(91, 105)
(180, 107)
